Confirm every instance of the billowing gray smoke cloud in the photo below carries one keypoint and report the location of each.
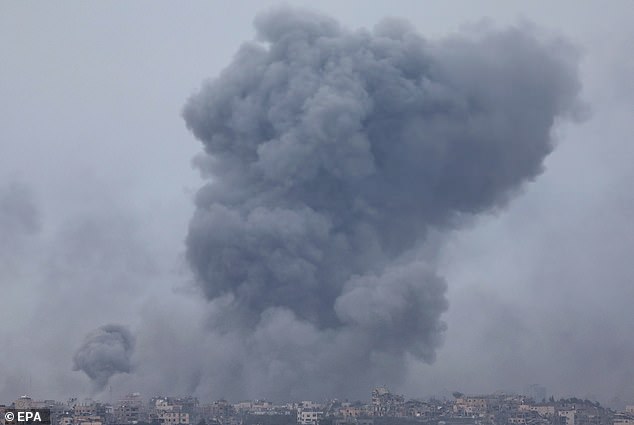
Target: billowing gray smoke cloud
(105, 351)
(331, 155)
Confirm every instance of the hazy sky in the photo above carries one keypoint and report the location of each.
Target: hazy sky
(97, 187)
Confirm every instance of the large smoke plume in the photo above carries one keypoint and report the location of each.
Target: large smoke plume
(331, 155)
(105, 352)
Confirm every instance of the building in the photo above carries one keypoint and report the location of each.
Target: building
(216, 410)
(384, 403)
(130, 410)
(545, 410)
(87, 420)
(623, 420)
(570, 415)
(89, 408)
(173, 418)
(309, 416)
(25, 402)
(351, 411)
(471, 405)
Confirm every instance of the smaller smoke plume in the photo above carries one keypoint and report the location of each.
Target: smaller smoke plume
(105, 352)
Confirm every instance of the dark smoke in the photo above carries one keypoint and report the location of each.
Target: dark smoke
(105, 351)
(331, 155)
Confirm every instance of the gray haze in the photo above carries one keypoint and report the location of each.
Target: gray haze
(19, 220)
(105, 352)
(332, 153)
(97, 192)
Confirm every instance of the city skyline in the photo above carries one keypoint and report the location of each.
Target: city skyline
(383, 407)
(442, 202)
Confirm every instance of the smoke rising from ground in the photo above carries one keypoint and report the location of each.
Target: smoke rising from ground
(331, 154)
(105, 352)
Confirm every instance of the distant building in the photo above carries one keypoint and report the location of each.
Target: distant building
(65, 420)
(87, 420)
(216, 410)
(471, 405)
(351, 411)
(308, 404)
(384, 403)
(623, 420)
(309, 416)
(130, 409)
(89, 408)
(173, 418)
(25, 402)
(543, 409)
(570, 415)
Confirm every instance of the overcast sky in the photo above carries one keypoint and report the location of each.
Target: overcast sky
(96, 192)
